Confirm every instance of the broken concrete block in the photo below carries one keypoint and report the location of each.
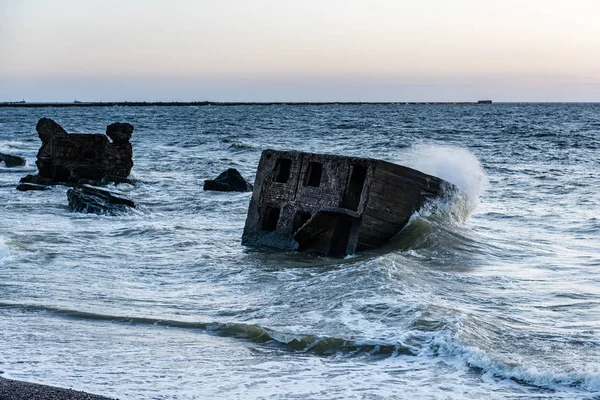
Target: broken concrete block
(66, 158)
(332, 205)
(37, 180)
(25, 187)
(228, 181)
(91, 199)
(12, 161)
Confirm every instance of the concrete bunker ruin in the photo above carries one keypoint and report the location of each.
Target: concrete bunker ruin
(333, 205)
(67, 158)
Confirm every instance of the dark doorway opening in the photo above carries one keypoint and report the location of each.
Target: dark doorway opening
(270, 219)
(340, 237)
(300, 219)
(355, 187)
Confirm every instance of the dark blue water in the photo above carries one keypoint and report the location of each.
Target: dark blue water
(497, 295)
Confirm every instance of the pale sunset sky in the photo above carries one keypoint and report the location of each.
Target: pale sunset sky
(308, 50)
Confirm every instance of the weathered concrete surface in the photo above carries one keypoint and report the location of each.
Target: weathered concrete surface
(17, 390)
(67, 158)
(91, 199)
(330, 204)
(228, 181)
(12, 161)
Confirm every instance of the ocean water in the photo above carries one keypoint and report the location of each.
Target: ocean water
(495, 294)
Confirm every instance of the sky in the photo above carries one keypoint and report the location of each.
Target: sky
(308, 50)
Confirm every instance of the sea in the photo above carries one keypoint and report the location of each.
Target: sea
(491, 293)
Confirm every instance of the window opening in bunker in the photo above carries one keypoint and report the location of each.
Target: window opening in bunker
(313, 174)
(282, 170)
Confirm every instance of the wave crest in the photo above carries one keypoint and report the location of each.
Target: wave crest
(456, 165)
(442, 345)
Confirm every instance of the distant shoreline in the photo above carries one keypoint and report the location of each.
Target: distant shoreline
(220, 104)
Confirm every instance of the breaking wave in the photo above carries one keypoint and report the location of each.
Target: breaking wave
(315, 344)
(475, 358)
(430, 346)
(456, 165)
(440, 223)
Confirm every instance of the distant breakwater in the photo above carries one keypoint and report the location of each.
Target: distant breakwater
(217, 104)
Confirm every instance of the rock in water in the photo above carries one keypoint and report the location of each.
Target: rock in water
(91, 199)
(228, 181)
(34, 180)
(25, 187)
(12, 161)
(67, 158)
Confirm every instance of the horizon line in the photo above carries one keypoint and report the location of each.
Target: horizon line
(264, 103)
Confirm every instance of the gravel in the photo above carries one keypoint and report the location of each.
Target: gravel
(17, 390)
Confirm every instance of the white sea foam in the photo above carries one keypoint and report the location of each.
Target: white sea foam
(462, 357)
(3, 251)
(8, 146)
(456, 165)
(538, 376)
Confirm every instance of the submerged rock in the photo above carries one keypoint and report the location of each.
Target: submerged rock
(67, 158)
(228, 181)
(91, 199)
(12, 161)
(25, 187)
(36, 179)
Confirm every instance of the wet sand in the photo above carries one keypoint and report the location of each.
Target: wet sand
(17, 390)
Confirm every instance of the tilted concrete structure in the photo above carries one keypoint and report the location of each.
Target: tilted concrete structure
(330, 204)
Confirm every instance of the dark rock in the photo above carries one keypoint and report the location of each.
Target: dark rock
(119, 132)
(48, 128)
(228, 181)
(91, 199)
(36, 179)
(25, 187)
(12, 161)
(67, 158)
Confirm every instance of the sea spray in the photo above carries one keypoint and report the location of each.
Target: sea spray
(456, 165)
